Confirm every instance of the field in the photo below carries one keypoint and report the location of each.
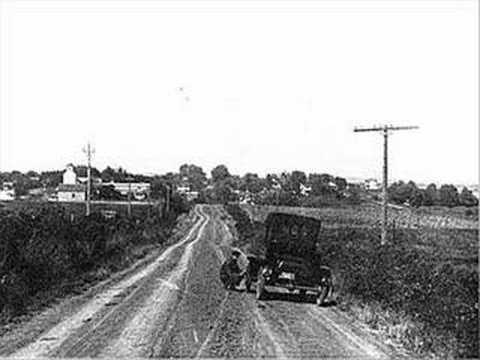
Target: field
(77, 209)
(369, 214)
(421, 289)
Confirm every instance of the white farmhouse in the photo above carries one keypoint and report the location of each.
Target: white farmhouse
(70, 189)
(71, 192)
(69, 176)
(372, 184)
(8, 192)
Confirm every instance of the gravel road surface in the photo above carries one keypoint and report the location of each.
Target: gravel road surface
(175, 306)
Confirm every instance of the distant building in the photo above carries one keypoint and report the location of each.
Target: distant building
(7, 193)
(186, 191)
(476, 192)
(69, 176)
(37, 192)
(305, 190)
(71, 192)
(70, 189)
(192, 195)
(139, 190)
(372, 184)
(332, 185)
(183, 189)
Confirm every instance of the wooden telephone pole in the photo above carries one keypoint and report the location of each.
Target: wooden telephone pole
(89, 151)
(385, 129)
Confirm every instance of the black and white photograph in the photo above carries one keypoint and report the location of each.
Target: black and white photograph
(239, 179)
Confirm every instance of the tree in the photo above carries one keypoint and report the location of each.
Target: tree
(467, 198)
(417, 197)
(108, 174)
(320, 184)
(400, 192)
(195, 176)
(32, 174)
(448, 196)
(159, 187)
(430, 195)
(297, 179)
(341, 183)
(223, 193)
(108, 192)
(220, 173)
(271, 181)
(51, 178)
(252, 183)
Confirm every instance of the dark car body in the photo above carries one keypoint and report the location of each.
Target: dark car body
(291, 261)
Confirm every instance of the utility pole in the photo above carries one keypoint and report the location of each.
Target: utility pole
(129, 197)
(89, 151)
(167, 200)
(386, 130)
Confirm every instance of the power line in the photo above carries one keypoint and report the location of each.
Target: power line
(385, 129)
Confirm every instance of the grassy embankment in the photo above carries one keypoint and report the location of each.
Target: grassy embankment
(420, 290)
(46, 253)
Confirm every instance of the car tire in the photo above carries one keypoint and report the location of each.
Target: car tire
(248, 283)
(322, 295)
(261, 292)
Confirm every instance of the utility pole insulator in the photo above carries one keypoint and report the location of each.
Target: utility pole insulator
(386, 129)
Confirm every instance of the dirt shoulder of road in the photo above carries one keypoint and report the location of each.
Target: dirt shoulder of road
(45, 314)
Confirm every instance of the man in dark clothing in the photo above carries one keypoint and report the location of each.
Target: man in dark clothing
(230, 272)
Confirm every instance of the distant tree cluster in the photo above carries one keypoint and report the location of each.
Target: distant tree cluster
(288, 188)
(447, 195)
(294, 188)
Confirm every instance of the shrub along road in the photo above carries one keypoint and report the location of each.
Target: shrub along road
(176, 306)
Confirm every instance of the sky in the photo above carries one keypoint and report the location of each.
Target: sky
(260, 86)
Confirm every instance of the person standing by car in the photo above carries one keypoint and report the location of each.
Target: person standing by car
(230, 273)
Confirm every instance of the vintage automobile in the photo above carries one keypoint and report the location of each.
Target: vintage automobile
(291, 261)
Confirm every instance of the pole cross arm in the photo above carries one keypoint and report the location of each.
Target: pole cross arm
(386, 132)
(384, 128)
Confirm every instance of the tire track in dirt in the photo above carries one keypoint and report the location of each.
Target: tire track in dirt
(302, 330)
(193, 316)
(54, 338)
(236, 333)
(137, 333)
(326, 316)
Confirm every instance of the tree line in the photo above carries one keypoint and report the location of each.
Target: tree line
(293, 188)
(445, 195)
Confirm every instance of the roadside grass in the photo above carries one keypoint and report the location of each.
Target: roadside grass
(44, 255)
(419, 290)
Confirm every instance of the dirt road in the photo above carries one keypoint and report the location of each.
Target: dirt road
(176, 307)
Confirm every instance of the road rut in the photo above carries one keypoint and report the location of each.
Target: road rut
(177, 307)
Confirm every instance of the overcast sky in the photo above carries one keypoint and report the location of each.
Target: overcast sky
(260, 86)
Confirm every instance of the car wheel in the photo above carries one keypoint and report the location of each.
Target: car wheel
(248, 283)
(322, 295)
(261, 293)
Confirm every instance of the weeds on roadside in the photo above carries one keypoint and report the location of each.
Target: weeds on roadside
(421, 297)
(44, 249)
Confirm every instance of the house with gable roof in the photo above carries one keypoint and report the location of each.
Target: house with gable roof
(71, 189)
